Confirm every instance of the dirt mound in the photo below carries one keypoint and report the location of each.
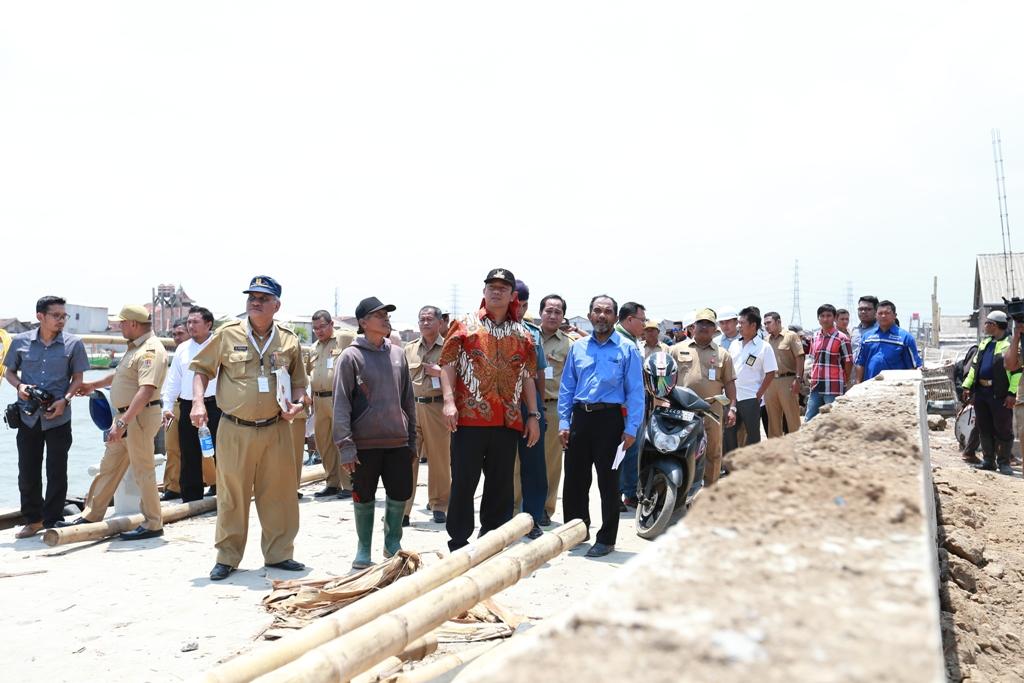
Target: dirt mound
(981, 557)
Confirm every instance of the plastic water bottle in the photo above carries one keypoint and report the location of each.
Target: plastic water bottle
(206, 441)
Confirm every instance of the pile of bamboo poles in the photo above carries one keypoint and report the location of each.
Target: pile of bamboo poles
(171, 513)
(385, 624)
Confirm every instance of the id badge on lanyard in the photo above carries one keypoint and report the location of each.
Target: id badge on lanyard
(262, 382)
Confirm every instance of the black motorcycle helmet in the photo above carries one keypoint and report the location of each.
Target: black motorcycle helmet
(660, 372)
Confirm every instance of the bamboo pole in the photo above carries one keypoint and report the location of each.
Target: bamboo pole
(279, 653)
(171, 513)
(443, 665)
(355, 652)
(417, 650)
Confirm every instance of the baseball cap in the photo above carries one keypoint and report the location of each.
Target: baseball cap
(997, 317)
(134, 312)
(264, 284)
(727, 314)
(371, 305)
(708, 314)
(651, 325)
(502, 274)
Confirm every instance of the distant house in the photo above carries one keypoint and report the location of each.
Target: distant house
(14, 326)
(86, 319)
(996, 276)
(582, 323)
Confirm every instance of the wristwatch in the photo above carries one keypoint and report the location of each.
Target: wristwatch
(120, 424)
(535, 414)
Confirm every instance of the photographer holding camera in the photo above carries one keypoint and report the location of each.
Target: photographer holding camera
(51, 364)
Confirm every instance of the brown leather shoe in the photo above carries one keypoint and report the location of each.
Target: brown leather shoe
(29, 530)
(971, 458)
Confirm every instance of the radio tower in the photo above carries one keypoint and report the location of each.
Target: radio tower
(795, 317)
(849, 295)
(1004, 217)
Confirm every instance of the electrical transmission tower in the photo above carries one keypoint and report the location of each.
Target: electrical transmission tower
(795, 317)
(455, 302)
(849, 295)
(1004, 216)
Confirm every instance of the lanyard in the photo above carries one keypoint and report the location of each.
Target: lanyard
(262, 352)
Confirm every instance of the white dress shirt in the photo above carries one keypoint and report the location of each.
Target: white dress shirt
(179, 378)
(750, 373)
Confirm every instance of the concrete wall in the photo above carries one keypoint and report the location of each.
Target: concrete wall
(813, 560)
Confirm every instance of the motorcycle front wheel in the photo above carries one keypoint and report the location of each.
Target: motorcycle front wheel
(654, 514)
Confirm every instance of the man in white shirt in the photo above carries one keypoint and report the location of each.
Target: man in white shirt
(178, 387)
(727, 322)
(755, 365)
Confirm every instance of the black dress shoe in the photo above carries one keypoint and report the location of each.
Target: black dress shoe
(344, 494)
(300, 495)
(75, 522)
(546, 519)
(327, 491)
(1007, 470)
(535, 532)
(210, 492)
(287, 565)
(220, 572)
(440, 517)
(140, 532)
(170, 495)
(622, 507)
(600, 550)
(405, 520)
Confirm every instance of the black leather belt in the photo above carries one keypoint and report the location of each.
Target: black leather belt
(206, 399)
(323, 394)
(551, 400)
(594, 407)
(151, 403)
(429, 399)
(786, 374)
(250, 423)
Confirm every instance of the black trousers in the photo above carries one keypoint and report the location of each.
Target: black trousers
(593, 440)
(993, 420)
(748, 413)
(191, 478)
(393, 466)
(476, 450)
(31, 442)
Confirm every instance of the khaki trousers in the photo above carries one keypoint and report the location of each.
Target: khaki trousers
(135, 450)
(713, 452)
(433, 442)
(298, 432)
(780, 401)
(172, 468)
(323, 432)
(256, 461)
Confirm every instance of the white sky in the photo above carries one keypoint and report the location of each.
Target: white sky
(676, 154)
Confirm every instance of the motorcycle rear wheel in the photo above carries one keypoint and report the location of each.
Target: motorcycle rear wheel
(654, 515)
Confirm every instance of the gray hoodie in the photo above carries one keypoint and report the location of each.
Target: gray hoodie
(373, 399)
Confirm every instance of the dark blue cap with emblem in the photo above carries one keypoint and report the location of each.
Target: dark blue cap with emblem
(264, 284)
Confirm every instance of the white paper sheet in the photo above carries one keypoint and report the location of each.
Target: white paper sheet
(284, 388)
(620, 454)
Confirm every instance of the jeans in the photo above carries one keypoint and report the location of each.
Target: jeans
(533, 473)
(629, 472)
(815, 400)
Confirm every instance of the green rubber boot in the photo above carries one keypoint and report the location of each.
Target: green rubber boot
(394, 510)
(364, 530)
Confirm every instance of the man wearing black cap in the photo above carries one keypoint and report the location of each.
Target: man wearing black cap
(375, 426)
(486, 362)
(254, 444)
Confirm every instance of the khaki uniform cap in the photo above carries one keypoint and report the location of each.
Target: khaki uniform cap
(134, 312)
(706, 314)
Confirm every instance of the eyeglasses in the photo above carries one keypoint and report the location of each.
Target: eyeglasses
(865, 308)
(59, 316)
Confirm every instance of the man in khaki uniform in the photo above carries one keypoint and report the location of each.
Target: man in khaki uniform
(556, 348)
(322, 361)
(172, 466)
(135, 396)
(782, 400)
(707, 369)
(255, 452)
(650, 342)
(433, 438)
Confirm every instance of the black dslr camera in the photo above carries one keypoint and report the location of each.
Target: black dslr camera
(37, 398)
(1015, 308)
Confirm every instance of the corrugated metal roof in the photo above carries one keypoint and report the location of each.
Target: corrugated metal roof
(990, 278)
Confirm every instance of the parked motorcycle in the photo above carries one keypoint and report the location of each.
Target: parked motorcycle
(672, 445)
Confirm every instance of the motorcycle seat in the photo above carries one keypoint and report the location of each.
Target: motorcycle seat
(688, 400)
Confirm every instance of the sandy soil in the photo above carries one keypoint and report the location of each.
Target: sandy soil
(981, 532)
(146, 611)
